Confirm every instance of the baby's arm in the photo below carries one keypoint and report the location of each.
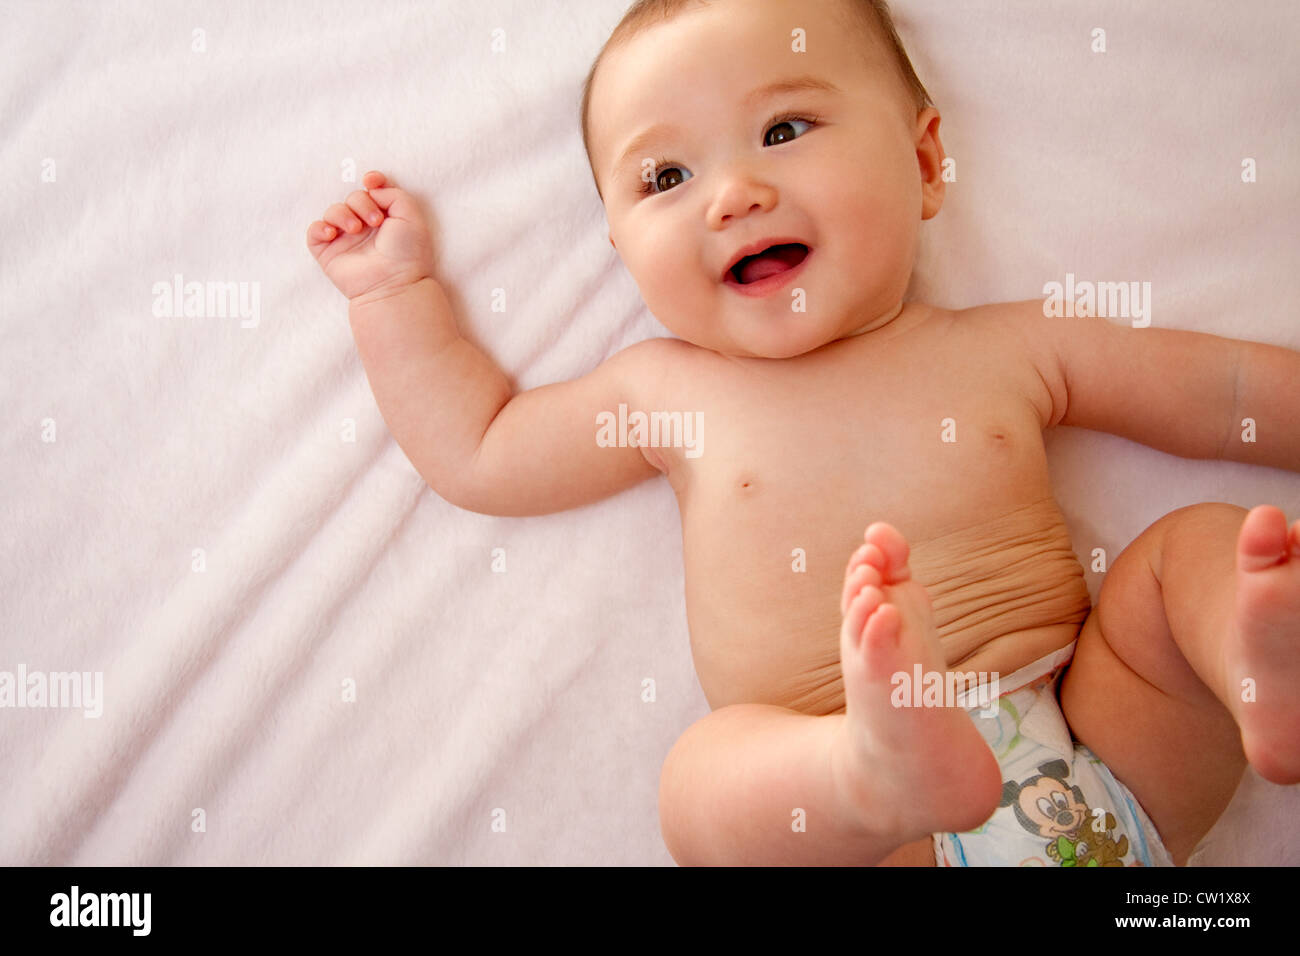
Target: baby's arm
(1186, 393)
(449, 407)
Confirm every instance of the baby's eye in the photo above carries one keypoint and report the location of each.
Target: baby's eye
(784, 130)
(663, 177)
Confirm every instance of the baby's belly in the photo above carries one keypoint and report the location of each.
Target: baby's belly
(1007, 589)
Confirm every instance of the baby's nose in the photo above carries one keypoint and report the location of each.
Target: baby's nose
(741, 195)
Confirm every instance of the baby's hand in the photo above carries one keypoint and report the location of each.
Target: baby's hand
(376, 244)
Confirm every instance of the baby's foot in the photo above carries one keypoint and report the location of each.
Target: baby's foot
(1264, 645)
(910, 770)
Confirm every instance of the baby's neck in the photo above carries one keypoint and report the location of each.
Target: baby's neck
(898, 320)
(874, 325)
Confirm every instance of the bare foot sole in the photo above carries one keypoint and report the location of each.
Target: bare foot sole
(911, 770)
(1262, 654)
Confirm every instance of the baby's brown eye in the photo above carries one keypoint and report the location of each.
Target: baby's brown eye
(779, 133)
(784, 131)
(670, 177)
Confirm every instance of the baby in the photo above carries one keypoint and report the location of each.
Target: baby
(765, 166)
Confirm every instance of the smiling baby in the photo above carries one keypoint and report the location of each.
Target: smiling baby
(765, 167)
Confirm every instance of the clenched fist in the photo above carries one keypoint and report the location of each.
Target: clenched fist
(376, 244)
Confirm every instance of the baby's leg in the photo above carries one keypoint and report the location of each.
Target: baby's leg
(760, 784)
(1204, 599)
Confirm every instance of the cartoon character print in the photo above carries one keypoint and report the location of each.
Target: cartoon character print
(1048, 806)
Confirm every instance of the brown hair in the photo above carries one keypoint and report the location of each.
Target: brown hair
(873, 14)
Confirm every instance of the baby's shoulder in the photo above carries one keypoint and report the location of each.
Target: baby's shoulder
(1000, 316)
(1017, 329)
(654, 368)
(1025, 344)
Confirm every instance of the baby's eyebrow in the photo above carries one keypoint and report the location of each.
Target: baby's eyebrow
(790, 84)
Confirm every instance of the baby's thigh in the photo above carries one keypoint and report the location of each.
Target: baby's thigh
(1134, 701)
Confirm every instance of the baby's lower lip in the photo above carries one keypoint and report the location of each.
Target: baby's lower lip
(769, 285)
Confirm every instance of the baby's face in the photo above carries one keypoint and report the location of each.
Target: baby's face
(845, 167)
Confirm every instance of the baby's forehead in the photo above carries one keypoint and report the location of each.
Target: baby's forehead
(673, 72)
(704, 50)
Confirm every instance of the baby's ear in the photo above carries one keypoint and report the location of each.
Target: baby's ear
(930, 159)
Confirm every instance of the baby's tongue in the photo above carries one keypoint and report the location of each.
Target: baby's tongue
(769, 263)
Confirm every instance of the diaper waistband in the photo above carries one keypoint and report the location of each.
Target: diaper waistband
(1047, 664)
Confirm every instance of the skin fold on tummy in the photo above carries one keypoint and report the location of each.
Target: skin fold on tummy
(1006, 591)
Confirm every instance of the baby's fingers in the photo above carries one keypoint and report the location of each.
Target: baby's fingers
(343, 218)
(320, 234)
(393, 202)
(361, 204)
(400, 205)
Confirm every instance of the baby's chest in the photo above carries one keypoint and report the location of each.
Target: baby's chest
(945, 453)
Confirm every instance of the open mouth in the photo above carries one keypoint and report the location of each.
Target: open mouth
(771, 261)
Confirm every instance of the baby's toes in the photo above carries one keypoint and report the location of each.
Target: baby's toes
(868, 554)
(869, 642)
(891, 544)
(859, 575)
(1262, 541)
(860, 609)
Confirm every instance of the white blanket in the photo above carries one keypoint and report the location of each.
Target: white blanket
(307, 657)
